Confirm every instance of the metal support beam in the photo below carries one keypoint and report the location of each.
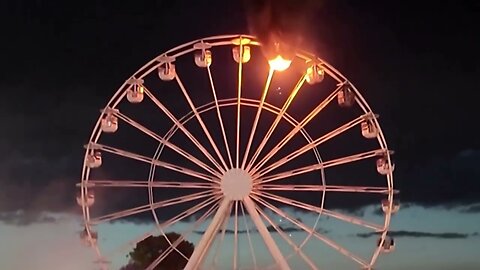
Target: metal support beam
(196, 259)
(262, 229)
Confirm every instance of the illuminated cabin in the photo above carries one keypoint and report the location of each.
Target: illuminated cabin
(315, 74)
(109, 123)
(246, 53)
(167, 72)
(345, 96)
(94, 160)
(136, 92)
(383, 167)
(203, 57)
(386, 206)
(369, 130)
(88, 201)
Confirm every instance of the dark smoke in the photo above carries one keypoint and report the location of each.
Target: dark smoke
(287, 23)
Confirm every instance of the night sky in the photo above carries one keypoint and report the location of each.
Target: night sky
(416, 63)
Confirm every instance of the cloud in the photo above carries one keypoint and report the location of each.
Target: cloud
(471, 209)
(270, 229)
(26, 202)
(415, 234)
(23, 218)
(455, 178)
(467, 208)
(53, 245)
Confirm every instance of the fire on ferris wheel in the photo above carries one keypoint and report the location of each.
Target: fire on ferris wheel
(214, 137)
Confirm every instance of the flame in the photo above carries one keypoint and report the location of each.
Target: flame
(279, 63)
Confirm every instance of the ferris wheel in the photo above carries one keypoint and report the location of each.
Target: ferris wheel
(260, 163)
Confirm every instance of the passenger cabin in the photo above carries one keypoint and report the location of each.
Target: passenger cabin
(136, 91)
(246, 53)
(386, 206)
(388, 245)
(94, 160)
(203, 58)
(88, 201)
(86, 239)
(383, 167)
(167, 72)
(345, 96)
(135, 94)
(315, 74)
(109, 123)
(369, 130)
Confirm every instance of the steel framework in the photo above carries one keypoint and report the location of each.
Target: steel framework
(237, 176)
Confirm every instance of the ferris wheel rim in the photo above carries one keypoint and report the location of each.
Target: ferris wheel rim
(219, 41)
(209, 106)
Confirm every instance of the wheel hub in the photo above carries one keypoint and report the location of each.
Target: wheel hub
(236, 184)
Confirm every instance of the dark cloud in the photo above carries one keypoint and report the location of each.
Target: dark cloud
(446, 235)
(471, 209)
(270, 228)
(359, 211)
(454, 178)
(58, 78)
(45, 121)
(24, 218)
(29, 197)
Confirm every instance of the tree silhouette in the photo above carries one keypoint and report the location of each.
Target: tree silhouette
(152, 247)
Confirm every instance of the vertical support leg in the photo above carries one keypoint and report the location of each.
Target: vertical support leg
(271, 245)
(202, 248)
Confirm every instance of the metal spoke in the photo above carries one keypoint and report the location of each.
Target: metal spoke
(185, 214)
(222, 237)
(235, 237)
(239, 96)
(309, 146)
(322, 211)
(144, 184)
(183, 235)
(200, 121)
(267, 237)
(203, 246)
(165, 225)
(147, 207)
(257, 116)
(287, 239)
(323, 165)
(220, 120)
(167, 143)
(276, 121)
(326, 188)
(252, 252)
(184, 130)
(148, 160)
(313, 232)
(297, 128)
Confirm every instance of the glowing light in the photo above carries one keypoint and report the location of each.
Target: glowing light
(279, 63)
